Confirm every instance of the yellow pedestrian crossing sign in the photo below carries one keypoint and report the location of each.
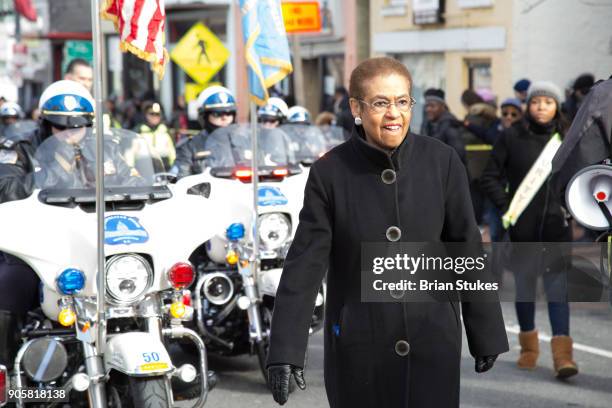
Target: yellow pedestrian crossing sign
(200, 53)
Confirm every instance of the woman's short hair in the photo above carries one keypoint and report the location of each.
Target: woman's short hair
(374, 67)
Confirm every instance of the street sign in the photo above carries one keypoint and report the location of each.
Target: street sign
(302, 17)
(200, 53)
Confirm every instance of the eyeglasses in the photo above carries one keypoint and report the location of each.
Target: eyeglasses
(382, 106)
(221, 114)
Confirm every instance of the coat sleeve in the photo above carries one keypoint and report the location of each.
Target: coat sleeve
(184, 158)
(453, 138)
(303, 272)
(493, 179)
(16, 180)
(483, 320)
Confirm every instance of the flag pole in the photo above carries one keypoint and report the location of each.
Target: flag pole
(255, 179)
(100, 205)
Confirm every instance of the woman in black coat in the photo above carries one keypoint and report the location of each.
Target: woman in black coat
(383, 185)
(542, 220)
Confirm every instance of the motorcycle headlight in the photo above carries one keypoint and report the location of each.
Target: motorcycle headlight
(274, 230)
(128, 277)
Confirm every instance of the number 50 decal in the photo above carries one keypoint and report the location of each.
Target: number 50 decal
(149, 357)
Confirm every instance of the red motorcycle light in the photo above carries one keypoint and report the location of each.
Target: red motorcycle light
(181, 275)
(3, 387)
(280, 172)
(187, 299)
(243, 174)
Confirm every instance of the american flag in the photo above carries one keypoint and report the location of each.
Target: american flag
(141, 25)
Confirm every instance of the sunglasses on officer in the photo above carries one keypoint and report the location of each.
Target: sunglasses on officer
(221, 114)
(268, 120)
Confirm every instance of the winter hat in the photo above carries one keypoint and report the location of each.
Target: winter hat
(545, 88)
(583, 83)
(434, 95)
(522, 85)
(512, 102)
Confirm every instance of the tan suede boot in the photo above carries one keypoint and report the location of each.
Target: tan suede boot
(562, 356)
(530, 349)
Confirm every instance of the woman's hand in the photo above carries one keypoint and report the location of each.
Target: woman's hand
(484, 363)
(279, 376)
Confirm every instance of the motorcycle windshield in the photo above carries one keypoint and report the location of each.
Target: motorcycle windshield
(334, 135)
(65, 165)
(307, 142)
(230, 147)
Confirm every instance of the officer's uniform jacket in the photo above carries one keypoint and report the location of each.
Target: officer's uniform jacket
(381, 354)
(190, 155)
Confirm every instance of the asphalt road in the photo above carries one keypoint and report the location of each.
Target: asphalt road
(241, 384)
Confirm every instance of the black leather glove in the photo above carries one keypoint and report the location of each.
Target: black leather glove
(279, 377)
(484, 363)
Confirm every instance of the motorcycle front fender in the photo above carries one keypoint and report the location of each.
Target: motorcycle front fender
(137, 354)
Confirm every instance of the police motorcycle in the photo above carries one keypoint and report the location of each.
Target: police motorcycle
(234, 292)
(147, 275)
(307, 141)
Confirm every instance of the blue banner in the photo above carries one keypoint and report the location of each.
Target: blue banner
(266, 46)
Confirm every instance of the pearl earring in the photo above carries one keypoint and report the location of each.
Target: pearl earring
(358, 121)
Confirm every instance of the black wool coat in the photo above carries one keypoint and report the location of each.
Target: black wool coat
(391, 355)
(511, 159)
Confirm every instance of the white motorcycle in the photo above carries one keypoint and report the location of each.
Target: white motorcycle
(234, 293)
(150, 232)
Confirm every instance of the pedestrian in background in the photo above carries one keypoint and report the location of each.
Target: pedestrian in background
(157, 133)
(543, 220)
(382, 354)
(582, 86)
(79, 70)
(520, 89)
(441, 124)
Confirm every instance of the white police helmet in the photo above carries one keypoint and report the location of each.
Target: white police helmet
(67, 104)
(298, 114)
(276, 108)
(10, 109)
(216, 99)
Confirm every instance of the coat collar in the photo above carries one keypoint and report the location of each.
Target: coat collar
(376, 155)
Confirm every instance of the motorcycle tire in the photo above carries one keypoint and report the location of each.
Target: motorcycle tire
(148, 392)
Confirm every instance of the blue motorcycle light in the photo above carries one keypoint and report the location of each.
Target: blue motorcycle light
(70, 281)
(235, 231)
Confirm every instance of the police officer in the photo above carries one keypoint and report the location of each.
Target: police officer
(10, 113)
(217, 109)
(156, 133)
(64, 104)
(299, 115)
(273, 114)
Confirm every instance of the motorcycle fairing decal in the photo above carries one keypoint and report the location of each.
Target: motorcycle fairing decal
(124, 230)
(153, 367)
(267, 195)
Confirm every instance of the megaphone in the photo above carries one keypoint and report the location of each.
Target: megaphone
(589, 194)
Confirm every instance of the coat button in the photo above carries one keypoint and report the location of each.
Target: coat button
(388, 176)
(393, 233)
(402, 348)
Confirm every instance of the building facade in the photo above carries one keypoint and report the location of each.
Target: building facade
(489, 44)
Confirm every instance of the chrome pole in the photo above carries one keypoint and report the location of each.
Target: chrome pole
(97, 89)
(255, 179)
